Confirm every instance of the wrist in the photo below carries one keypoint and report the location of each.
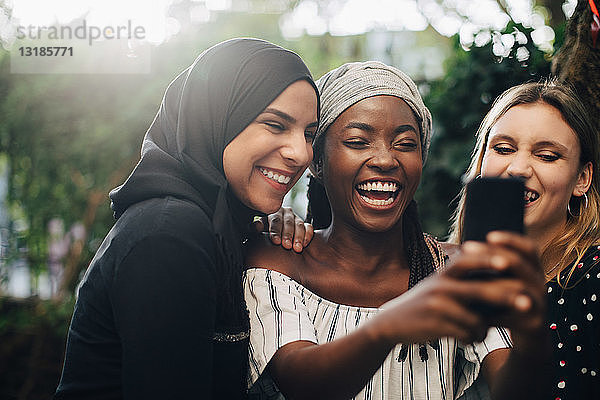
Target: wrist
(377, 334)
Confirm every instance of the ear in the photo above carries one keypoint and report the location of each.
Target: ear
(584, 180)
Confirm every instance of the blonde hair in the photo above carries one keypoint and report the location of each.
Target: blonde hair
(581, 231)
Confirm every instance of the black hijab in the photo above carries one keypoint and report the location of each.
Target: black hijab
(202, 111)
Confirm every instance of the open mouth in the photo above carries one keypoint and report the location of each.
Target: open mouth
(530, 196)
(378, 193)
(275, 176)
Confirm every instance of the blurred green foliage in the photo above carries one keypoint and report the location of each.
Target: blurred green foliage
(32, 336)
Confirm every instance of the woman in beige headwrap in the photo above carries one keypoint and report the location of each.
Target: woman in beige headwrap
(355, 315)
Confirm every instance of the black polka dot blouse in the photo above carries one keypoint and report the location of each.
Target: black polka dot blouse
(574, 323)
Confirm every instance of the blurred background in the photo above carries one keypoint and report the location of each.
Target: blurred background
(66, 139)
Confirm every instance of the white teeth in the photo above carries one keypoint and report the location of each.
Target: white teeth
(530, 196)
(378, 202)
(275, 176)
(379, 186)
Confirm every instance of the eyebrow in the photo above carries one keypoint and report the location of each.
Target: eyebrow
(549, 143)
(280, 114)
(370, 129)
(286, 117)
(545, 143)
(493, 138)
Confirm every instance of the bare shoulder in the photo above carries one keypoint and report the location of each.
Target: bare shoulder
(451, 249)
(261, 253)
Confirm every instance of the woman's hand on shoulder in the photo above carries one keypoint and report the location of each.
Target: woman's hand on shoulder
(286, 229)
(259, 252)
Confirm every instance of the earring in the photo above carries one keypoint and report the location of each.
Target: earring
(585, 207)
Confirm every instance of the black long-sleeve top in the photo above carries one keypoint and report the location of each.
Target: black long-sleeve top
(144, 325)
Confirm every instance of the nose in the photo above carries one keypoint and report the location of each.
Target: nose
(297, 151)
(519, 166)
(383, 159)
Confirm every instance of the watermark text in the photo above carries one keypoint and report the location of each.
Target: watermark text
(91, 33)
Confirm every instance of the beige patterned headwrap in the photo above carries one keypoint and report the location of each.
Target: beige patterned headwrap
(352, 82)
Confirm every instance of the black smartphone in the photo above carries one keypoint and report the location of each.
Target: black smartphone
(492, 204)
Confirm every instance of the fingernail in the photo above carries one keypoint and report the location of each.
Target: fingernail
(275, 238)
(522, 302)
(287, 243)
(297, 246)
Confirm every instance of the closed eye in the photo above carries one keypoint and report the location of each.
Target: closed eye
(406, 146)
(274, 125)
(503, 149)
(549, 157)
(356, 143)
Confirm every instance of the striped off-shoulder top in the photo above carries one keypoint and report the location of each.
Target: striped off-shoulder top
(283, 311)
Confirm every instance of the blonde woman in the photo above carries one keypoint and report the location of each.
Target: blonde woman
(541, 133)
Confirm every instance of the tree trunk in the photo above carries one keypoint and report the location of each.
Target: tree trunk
(578, 62)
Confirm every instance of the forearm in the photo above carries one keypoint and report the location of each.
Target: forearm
(525, 373)
(334, 370)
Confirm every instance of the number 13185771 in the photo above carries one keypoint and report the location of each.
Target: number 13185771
(47, 51)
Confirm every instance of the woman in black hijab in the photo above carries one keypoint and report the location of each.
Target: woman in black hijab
(160, 312)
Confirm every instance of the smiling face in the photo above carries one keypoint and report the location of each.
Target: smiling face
(266, 159)
(533, 142)
(372, 163)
